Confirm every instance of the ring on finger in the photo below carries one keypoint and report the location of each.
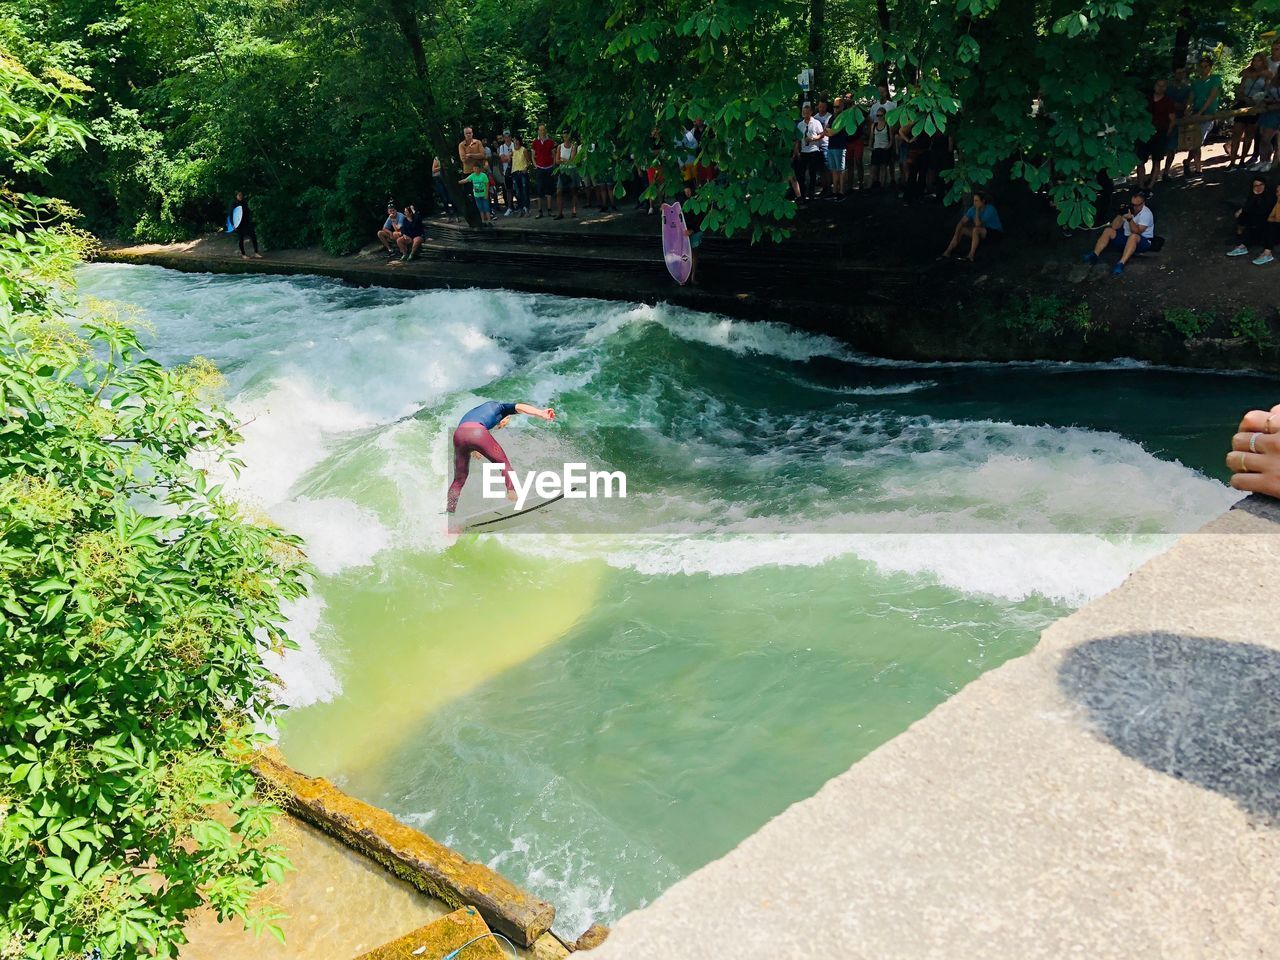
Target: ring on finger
(1243, 468)
(1266, 427)
(1253, 443)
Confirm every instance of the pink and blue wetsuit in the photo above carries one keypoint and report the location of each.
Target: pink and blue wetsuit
(472, 436)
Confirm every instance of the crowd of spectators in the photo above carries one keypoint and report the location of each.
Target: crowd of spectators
(833, 158)
(830, 158)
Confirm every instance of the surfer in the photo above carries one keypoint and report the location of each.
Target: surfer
(473, 438)
(246, 228)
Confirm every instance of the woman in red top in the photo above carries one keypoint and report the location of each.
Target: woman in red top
(1163, 109)
(544, 161)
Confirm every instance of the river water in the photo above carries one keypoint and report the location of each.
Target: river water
(597, 716)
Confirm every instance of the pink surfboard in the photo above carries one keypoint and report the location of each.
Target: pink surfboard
(675, 244)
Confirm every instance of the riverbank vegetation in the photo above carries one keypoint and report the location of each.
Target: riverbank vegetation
(321, 109)
(138, 602)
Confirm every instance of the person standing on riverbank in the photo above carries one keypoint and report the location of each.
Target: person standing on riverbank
(1206, 96)
(881, 156)
(246, 227)
(1250, 92)
(806, 155)
(479, 182)
(505, 149)
(837, 147)
(1177, 90)
(1162, 110)
(442, 194)
(544, 163)
(521, 164)
(470, 150)
(473, 437)
(566, 175)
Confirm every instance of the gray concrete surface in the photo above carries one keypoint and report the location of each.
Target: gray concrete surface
(1114, 793)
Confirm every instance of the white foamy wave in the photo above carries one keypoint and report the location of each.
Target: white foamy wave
(339, 534)
(306, 674)
(1067, 568)
(564, 876)
(417, 461)
(884, 391)
(285, 435)
(742, 337)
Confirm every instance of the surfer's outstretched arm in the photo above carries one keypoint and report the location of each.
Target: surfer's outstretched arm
(532, 411)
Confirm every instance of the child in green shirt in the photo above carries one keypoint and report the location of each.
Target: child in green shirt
(479, 181)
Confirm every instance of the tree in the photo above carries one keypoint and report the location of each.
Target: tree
(405, 15)
(634, 75)
(138, 604)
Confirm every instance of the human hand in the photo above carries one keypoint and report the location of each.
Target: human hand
(1254, 460)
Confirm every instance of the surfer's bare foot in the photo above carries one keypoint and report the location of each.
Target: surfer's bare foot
(511, 495)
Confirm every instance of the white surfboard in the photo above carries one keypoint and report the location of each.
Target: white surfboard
(233, 221)
(489, 519)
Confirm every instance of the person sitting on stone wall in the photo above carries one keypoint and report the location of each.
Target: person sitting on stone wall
(411, 234)
(389, 235)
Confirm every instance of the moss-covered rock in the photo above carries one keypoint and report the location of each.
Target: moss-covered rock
(411, 855)
(440, 937)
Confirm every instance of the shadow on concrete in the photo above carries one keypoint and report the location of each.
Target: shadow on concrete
(1195, 708)
(1259, 505)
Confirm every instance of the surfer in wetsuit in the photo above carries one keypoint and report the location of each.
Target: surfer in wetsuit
(473, 438)
(246, 228)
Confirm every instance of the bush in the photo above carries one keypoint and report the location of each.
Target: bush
(1187, 322)
(138, 605)
(1248, 325)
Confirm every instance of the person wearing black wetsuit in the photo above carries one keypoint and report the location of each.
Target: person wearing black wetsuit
(473, 437)
(246, 228)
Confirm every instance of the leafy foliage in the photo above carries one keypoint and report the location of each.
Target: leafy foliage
(315, 107)
(1187, 322)
(138, 604)
(1249, 325)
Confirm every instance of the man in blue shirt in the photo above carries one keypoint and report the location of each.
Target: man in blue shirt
(980, 222)
(389, 235)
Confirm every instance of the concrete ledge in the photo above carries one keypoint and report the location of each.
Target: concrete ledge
(437, 938)
(409, 854)
(1113, 794)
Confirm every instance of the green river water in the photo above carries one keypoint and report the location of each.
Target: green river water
(597, 716)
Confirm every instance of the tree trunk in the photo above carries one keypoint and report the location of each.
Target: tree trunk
(882, 17)
(817, 22)
(1182, 39)
(404, 13)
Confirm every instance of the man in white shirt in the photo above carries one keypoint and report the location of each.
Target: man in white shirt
(883, 103)
(1129, 233)
(806, 154)
(824, 116)
(504, 170)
